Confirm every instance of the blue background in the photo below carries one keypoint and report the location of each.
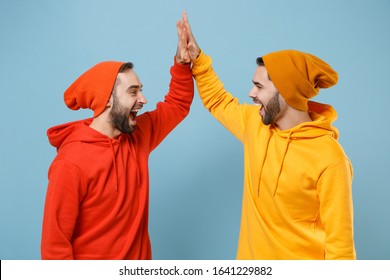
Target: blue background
(196, 173)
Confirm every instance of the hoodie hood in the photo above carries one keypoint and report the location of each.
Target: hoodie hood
(322, 115)
(63, 134)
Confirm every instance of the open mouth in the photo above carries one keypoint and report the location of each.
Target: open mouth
(260, 104)
(257, 102)
(133, 114)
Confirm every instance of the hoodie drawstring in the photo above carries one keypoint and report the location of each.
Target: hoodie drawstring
(262, 165)
(280, 167)
(282, 162)
(134, 155)
(115, 167)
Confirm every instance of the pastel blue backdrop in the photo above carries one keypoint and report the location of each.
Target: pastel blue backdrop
(196, 173)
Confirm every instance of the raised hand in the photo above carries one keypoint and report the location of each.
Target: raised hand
(192, 45)
(182, 54)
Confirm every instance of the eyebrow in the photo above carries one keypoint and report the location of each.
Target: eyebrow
(135, 87)
(257, 83)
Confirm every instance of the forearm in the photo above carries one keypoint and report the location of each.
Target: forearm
(221, 104)
(181, 89)
(211, 89)
(157, 124)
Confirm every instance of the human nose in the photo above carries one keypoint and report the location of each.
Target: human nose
(142, 99)
(252, 92)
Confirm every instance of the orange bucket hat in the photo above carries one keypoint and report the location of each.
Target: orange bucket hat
(93, 89)
(298, 76)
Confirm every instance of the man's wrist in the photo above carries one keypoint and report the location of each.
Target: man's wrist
(196, 56)
(180, 61)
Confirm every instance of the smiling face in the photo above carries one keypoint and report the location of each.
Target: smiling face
(127, 99)
(265, 95)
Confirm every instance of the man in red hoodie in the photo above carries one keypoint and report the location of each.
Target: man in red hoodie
(97, 198)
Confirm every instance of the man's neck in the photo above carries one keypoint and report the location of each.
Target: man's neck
(292, 118)
(103, 125)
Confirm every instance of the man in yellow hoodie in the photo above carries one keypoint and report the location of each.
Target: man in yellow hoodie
(297, 199)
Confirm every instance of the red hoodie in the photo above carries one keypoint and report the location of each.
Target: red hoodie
(97, 198)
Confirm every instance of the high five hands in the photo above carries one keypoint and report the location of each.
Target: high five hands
(187, 47)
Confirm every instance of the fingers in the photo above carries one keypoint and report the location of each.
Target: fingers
(181, 33)
(182, 55)
(179, 27)
(187, 48)
(184, 17)
(184, 47)
(186, 23)
(192, 45)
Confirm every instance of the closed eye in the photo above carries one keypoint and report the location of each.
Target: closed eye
(134, 89)
(257, 84)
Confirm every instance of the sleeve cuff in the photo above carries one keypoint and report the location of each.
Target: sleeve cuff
(202, 63)
(181, 69)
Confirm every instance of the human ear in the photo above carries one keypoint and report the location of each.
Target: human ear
(109, 102)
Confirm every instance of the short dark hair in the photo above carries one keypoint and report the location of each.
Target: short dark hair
(260, 61)
(126, 66)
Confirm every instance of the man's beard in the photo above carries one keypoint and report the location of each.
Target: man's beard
(271, 110)
(120, 116)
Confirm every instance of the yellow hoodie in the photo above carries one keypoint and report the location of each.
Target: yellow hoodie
(297, 199)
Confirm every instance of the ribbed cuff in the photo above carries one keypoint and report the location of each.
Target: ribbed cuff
(179, 69)
(202, 63)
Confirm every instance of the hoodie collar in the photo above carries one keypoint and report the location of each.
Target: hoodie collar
(322, 115)
(79, 131)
